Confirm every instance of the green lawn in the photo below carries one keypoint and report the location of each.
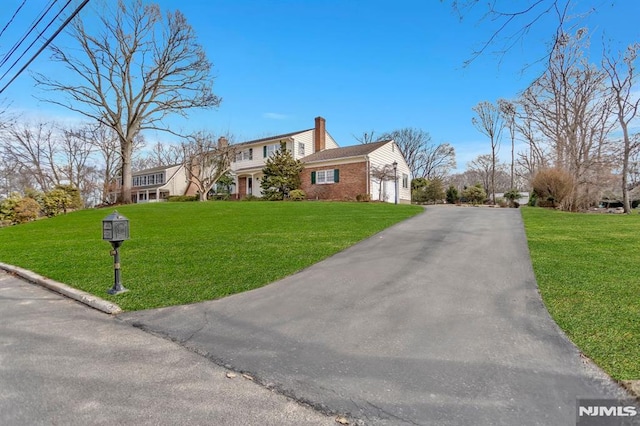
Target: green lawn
(189, 252)
(587, 268)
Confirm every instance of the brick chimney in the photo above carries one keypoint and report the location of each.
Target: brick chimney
(319, 135)
(222, 142)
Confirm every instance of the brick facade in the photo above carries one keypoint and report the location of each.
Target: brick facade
(352, 181)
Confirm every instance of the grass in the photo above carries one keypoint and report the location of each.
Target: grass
(183, 253)
(586, 266)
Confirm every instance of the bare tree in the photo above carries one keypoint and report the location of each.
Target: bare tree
(537, 157)
(622, 79)
(482, 167)
(32, 149)
(163, 154)
(107, 143)
(139, 68)
(382, 174)
(76, 150)
(367, 137)
(569, 106)
(438, 161)
(424, 158)
(490, 123)
(206, 161)
(512, 22)
(508, 111)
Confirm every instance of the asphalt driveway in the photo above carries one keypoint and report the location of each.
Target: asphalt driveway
(436, 320)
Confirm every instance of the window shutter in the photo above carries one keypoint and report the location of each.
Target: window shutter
(313, 177)
(336, 175)
(250, 153)
(264, 151)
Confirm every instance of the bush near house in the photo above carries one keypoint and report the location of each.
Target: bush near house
(427, 191)
(474, 194)
(183, 198)
(452, 195)
(297, 195)
(21, 209)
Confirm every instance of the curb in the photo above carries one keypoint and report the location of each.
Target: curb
(63, 289)
(633, 386)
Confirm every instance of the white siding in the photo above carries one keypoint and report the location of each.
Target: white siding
(386, 155)
(177, 180)
(329, 142)
(307, 139)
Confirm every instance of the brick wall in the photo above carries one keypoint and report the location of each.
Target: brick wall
(353, 181)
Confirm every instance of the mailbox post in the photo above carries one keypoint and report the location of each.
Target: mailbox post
(115, 229)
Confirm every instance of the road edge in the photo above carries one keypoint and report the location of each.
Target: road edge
(63, 289)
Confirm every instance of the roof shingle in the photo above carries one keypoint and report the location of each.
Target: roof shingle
(344, 152)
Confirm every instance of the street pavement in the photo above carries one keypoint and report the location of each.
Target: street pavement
(434, 321)
(63, 363)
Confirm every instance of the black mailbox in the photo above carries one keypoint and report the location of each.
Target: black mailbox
(115, 227)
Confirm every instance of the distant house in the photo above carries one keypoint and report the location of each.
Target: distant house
(158, 183)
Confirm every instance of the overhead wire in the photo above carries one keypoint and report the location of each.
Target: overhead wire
(46, 44)
(32, 28)
(12, 17)
(35, 40)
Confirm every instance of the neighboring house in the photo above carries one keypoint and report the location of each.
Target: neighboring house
(331, 172)
(158, 183)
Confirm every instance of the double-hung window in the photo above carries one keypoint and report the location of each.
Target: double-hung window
(268, 150)
(321, 177)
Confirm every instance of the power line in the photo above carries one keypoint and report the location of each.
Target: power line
(44, 46)
(35, 40)
(16, 45)
(12, 18)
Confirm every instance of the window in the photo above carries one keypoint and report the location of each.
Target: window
(269, 150)
(405, 180)
(150, 179)
(325, 176)
(248, 154)
(301, 149)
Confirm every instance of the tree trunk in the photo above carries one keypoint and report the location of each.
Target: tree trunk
(625, 167)
(127, 178)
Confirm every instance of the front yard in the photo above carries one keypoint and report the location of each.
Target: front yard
(183, 253)
(586, 266)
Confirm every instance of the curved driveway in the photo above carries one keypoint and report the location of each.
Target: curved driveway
(436, 320)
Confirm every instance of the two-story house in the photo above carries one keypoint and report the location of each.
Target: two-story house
(375, 171)
(331, 172)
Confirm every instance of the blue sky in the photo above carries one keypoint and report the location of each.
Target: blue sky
(363, 65)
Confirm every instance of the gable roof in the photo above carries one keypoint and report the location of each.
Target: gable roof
(285, 135)
(344, 152)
